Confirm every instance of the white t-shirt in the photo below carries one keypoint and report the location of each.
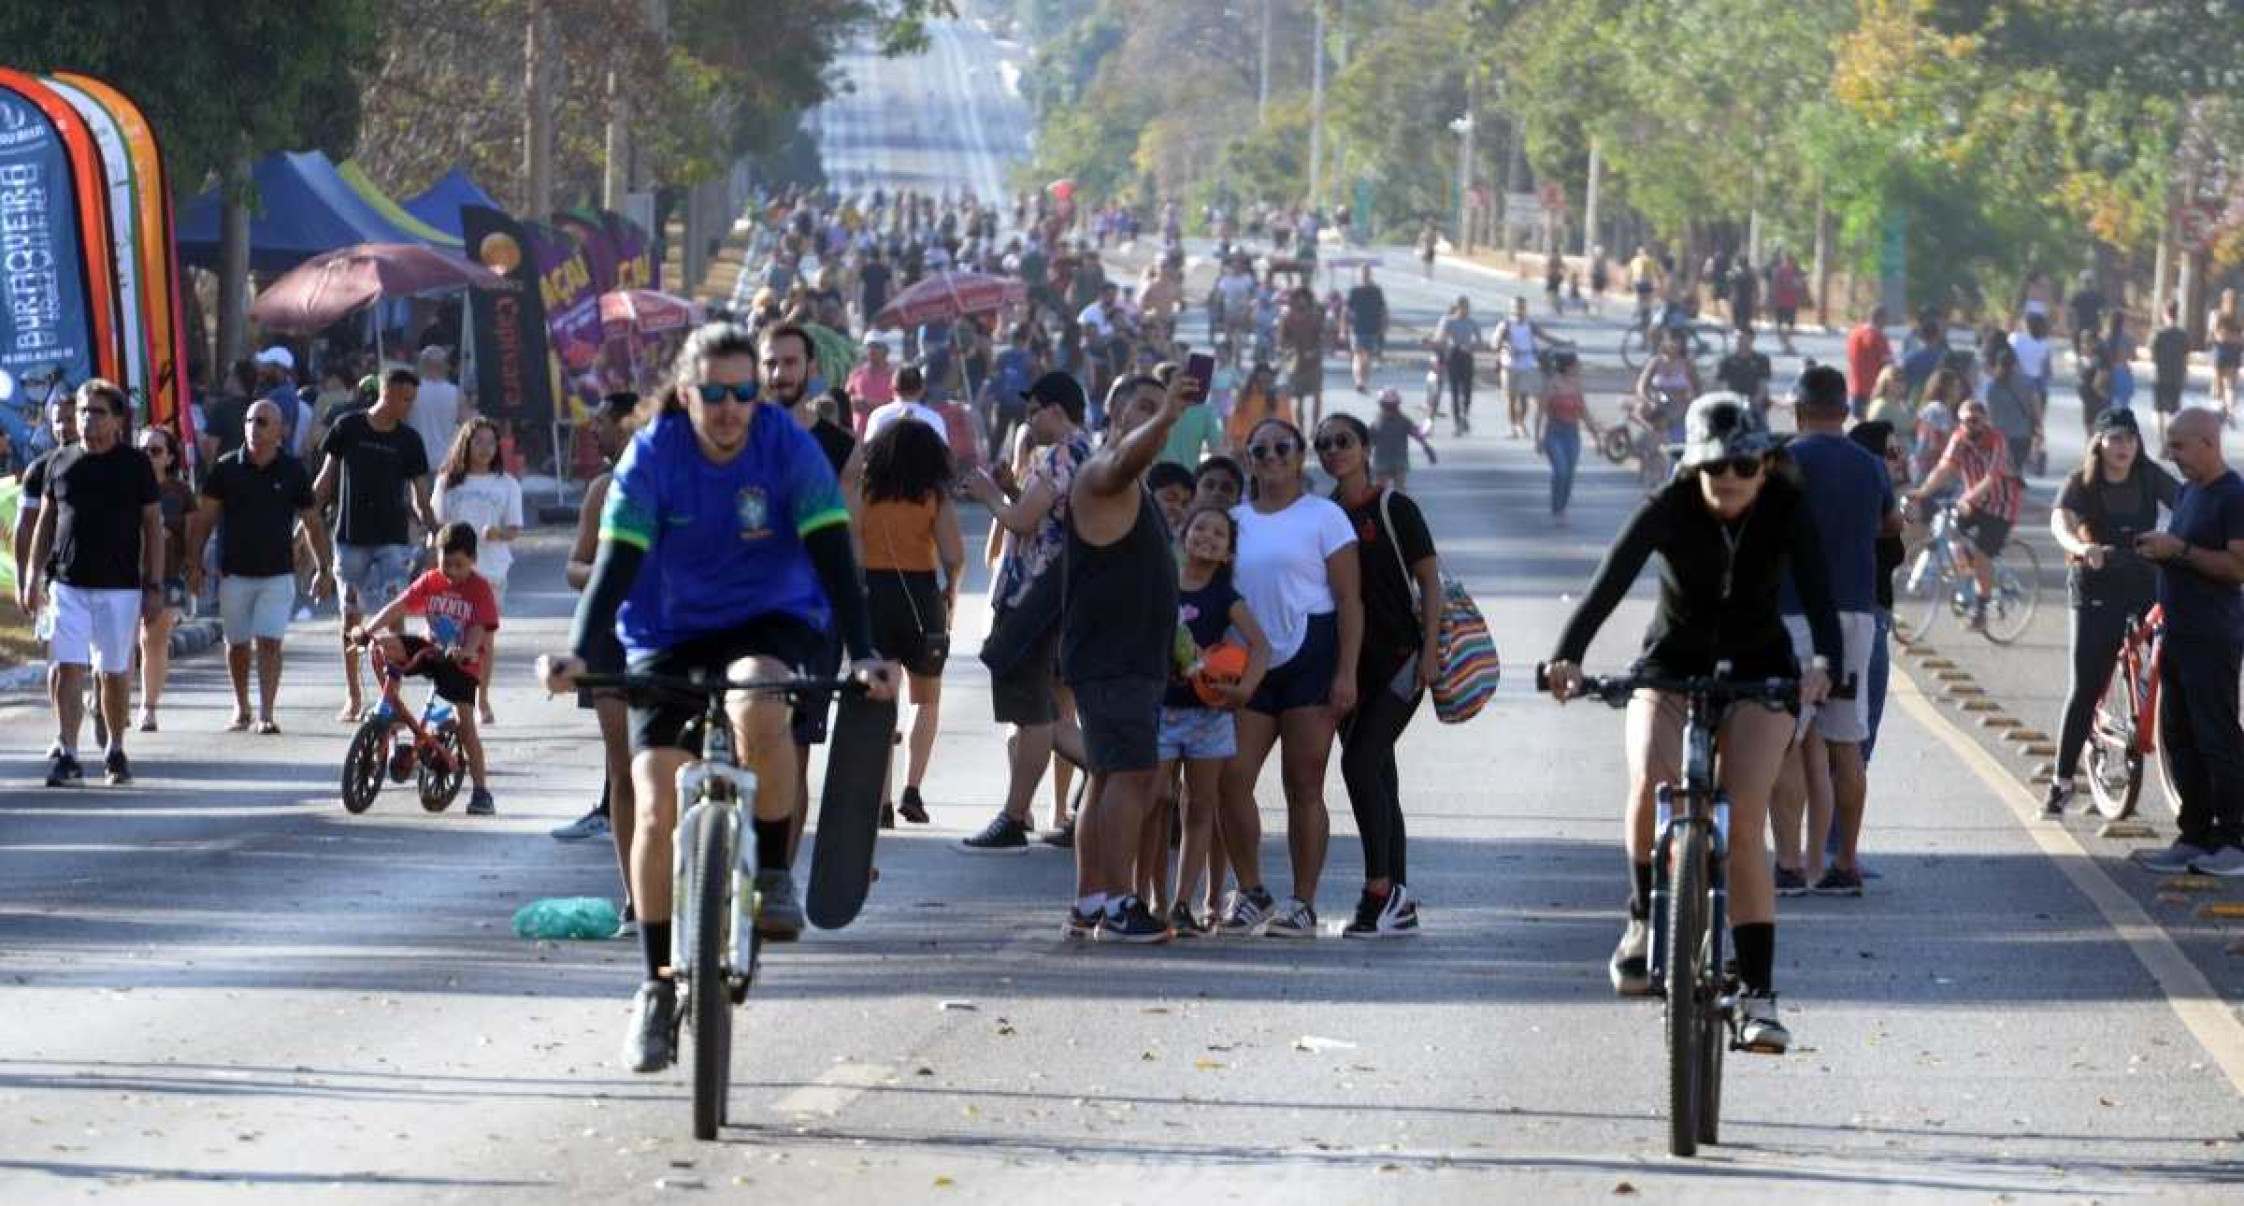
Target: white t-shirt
(1280, 568)
(484, 501)
(1094, 317)
(2032, 353)
(436, 416)
(889, 413)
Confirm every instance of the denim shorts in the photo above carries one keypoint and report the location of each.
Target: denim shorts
(1197, 733)
(373, 574)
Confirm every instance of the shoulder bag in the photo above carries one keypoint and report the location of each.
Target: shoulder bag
(1470, 666)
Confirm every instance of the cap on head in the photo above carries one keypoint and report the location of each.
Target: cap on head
(1059, 389)
(2118, 418)
(1720, 426)
(279, 357)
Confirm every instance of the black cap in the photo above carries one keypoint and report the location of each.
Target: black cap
(2118, 418)
(1058, 389)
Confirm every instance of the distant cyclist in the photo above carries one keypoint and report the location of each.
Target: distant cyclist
(724, 550)
(1727, 529)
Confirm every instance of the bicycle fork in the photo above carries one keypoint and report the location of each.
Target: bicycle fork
(718, 792)
(1666, 824)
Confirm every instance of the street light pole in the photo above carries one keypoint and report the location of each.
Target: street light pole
(1317, 106)
(1463, 126)
(1262, 97)
(1589, 203)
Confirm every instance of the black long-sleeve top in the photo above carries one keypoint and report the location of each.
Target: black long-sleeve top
(1718, 584)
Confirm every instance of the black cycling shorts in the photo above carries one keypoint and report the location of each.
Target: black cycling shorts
(454, 683)
(662, 721)
(1987, 533)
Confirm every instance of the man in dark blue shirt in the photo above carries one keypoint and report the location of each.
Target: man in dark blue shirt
(2200, 560)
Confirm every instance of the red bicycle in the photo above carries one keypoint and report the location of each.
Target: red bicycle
(2123, 737)
(395, 743)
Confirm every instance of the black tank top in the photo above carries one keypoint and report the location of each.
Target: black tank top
(1121, 617)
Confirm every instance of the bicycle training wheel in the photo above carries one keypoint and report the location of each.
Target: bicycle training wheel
(2017, 593)
(364, 766)
(1686, 1012)
(1613, 442)
(710, 1007)
(440, 785)
(2114, 765)
(1633, 349)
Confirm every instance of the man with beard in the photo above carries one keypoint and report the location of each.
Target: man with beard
(786, 355)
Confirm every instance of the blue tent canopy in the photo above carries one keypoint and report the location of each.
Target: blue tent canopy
(440, 205)
(304, 207)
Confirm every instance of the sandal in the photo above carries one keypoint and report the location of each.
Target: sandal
(239, 724)
(267, 728)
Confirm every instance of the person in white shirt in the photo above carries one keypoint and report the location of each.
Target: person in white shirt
(911, 388)
(436, 409)
(474, 488)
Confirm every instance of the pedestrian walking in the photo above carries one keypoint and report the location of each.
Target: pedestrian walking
(1455, 340)
(1298, 571)
(2226, 327)
(436, 407)
(1867, 353)
(98, 548)
(2112, 498)
(1879, 440)
(374, 469)
(2170, 364)
(2200, 558)
(1522, 340)
(474, 488)
(2016, 407)
(1367, 328)
(261, 496)
(1560, 415)
(1400, 595)
(908, 529)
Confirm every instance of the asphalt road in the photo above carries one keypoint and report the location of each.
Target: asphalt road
(219, 984)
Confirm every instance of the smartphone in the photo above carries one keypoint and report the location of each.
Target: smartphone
(1200, 366)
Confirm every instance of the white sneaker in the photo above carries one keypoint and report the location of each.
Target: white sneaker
(1245, 914)
(1294, 919)
(1758, 1029)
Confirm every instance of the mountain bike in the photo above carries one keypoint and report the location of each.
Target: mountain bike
(1936, 577)
(714, 946)
(1641, 340)
(394, 742)
(1691, 896)
(2123, 736)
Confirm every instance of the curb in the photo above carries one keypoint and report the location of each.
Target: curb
(192, 638)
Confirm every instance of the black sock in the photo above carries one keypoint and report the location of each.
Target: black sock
(1757, 949)
(654, 946)
(771, 844)
(1640, 891)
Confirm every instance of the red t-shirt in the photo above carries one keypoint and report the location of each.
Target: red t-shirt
(450, 608)
(1867, 352)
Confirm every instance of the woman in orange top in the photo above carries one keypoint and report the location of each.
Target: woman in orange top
(906, 526)
(1258, 402)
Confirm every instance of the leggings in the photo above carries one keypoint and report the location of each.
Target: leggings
(1367, 765)
(1562, 443)
(2098, 629)
(1460, 372)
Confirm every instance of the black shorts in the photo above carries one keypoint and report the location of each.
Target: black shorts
(1786, 316)
(2166, 397)
(1121, 719)
(1305, 680)
(907, 611)
(1987, 533)
(1023, 695)
(454, 684)
(2227, 356)
(813, 709)
(661, 721)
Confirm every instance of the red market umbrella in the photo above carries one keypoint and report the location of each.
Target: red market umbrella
(950, 295)
(327, 288)
(647, 311)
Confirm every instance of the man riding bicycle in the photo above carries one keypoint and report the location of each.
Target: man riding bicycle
(724, 550)
(1988, 507)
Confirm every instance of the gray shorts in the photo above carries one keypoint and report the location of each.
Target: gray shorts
(1121, 720)
(373, 574)
(256, 608)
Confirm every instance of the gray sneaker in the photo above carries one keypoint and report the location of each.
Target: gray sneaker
(2226, 862)
(1294, 919)
(1838, 881)
(2176, 859)
(1246, 913)
(1790, 882)
(779, 913)
(593, 824)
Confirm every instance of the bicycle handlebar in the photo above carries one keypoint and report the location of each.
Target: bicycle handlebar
(1614, 690)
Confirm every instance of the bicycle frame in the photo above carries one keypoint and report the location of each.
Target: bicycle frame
(2139, 656)
(435, 711)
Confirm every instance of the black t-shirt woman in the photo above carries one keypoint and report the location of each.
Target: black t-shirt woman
(1727, 530)
(1400, 582)
(2113, 497)
(176, 500)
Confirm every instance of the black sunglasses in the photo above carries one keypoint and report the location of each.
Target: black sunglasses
(1743, 467)
(1275, 450)
(262, 421)
(1337, 442)
(713, 393)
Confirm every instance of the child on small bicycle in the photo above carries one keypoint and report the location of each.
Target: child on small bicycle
(461, 612)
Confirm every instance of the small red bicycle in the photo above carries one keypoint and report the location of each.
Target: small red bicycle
(2123, 737)
(393, 742)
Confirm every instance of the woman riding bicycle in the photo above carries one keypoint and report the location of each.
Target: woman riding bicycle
(1727, 529)
(2113, 497)
(1669, 381)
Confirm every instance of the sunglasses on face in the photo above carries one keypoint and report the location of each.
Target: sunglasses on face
(1276, 450)
(1744, 468)
(1338, 442)
(713, 393)
(262, 421)
(154, 448)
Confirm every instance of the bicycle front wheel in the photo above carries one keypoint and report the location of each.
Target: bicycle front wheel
(1633, 348)
(1613, 442)
(1686, 1011)
(708, 876)
(2017, 593)
(364, 765)
(2114, 764)
(1920, 594)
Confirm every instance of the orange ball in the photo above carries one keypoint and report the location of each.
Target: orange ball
(1221, 666)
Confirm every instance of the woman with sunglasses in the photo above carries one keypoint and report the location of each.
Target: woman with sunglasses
(1297, 570)
(1400, 581)
(1727, 531)
(177, 501)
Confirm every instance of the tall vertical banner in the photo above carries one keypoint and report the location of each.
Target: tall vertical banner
(513, 380)
(83, 178)
(46, 301)
(572, 314)
(167, 388)
(634, 251)
(124, 223)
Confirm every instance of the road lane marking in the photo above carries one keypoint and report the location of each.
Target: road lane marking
(834, 1089)
(2203, 1013)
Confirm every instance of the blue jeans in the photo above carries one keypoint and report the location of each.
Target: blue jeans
(1881, 672)
(1562, 442)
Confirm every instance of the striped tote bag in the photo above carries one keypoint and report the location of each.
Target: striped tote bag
(1470, 666)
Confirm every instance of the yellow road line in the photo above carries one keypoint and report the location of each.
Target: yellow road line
(2208, 1018)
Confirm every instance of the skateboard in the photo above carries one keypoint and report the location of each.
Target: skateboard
(841, 867)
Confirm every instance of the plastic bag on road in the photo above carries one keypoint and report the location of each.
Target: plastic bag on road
(591, 917)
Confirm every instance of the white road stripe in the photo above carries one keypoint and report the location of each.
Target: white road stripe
(834, 1089)
(2209, 1019)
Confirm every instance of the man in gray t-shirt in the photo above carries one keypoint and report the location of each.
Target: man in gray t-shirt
(2015, 407)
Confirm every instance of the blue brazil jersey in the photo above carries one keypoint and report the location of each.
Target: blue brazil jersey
(723, 543)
